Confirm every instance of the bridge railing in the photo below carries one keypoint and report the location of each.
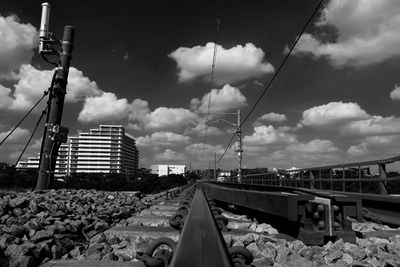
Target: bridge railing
(349, 177)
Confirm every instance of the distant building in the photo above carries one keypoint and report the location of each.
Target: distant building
(164, 170)
(107, 149)
(30, 163)
(222, 176)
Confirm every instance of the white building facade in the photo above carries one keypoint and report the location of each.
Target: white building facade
(107, 149)
(164, 170)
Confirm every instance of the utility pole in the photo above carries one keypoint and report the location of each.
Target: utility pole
(215, 166)
(238, 132)
(209, 170)
(239, 149)
(55, 134)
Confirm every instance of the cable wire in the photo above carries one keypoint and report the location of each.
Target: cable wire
(284, 61)
(33, 133)
(227, 147)
(211, 81)
(27, 114)
(274, 76)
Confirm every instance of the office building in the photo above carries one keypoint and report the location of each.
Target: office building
(107, 149)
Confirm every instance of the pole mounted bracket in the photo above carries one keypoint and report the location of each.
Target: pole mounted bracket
(59, 133)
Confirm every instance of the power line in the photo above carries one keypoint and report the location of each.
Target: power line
(27, 114)
(214, 58)
(274, 76)
(283, 62)
(33, 133)
(226, 149)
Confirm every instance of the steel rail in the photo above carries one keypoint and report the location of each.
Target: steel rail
(201, 243)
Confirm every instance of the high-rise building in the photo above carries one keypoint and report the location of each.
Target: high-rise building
(107, 149)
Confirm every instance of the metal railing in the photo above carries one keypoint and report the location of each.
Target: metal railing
(349, 177)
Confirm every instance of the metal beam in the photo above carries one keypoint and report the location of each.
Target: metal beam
(285, 205)
(355, 164)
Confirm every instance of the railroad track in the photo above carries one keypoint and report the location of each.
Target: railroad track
(186, 222)
(206, 225)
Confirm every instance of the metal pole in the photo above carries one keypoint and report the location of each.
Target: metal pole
(382, 175)
(215, 166)
(311, 180)
(359, 177)
(50, 145)
(240, 150)
(344, 183)
(209, 170)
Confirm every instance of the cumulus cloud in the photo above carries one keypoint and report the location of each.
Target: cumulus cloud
(226, 98)
(367, 33)
(80, 87)
(13, 146)
(208, 150)
(163, 117)
(18, 135)
(170, 155)
(33, 82)
(141, 117)
(266, 135)
(162, 139)
(313, 146)
(232, 65)
(358, 150)
(273, 117)
(104, 108)
(375, 146)
(17, 42)
(333, 113)
(395, 94)
(138, 110)
(201, 129)
(376, 125)
(315, 152)
(5, 99)
(277, 146)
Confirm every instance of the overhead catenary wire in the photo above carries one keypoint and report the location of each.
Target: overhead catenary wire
(283, 62)
(274, 76)
(26, 115)
(214, 58)
(226, 148)
(33, 133)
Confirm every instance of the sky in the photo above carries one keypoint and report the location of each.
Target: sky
(147, 65)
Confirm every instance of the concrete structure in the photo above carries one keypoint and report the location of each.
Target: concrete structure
(107, 149)
(164, 170)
